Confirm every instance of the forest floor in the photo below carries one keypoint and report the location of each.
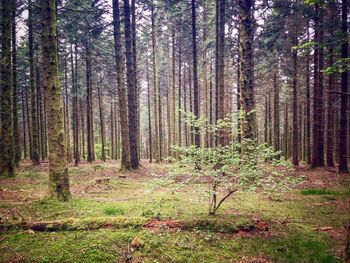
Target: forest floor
(118, 216)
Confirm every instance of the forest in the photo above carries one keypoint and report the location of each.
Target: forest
(174, 131)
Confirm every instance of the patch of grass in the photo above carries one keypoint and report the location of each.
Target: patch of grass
(113, 211)
(319, 191)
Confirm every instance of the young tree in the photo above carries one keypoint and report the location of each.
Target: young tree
(58, 172)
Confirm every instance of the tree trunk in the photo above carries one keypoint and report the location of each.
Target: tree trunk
(220, 107)
(295, 143)
(343, 163)
(179, 95)
(132, 92)
(58, 172)
(308, 107)
(102, 123)
(16, 141)
(35, 134)
(123, 113)
(276, 112)
(155, 87)
(315, 108)
(330, 113)
(74, 76)
(247, 69)
(67, 122)
(6, 142)
(195, 72)
(149, 114)
(89, 106)
(173, 132)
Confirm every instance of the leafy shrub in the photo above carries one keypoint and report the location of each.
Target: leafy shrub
(235, 167)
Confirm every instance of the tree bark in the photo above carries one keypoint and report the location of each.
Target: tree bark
(16, 141)
(247, 69)
(102, 123)
(58, 172)
(132, 92)
(123, 113)
(35, 134)
(343, 162)
(7, 166)
(295, 143)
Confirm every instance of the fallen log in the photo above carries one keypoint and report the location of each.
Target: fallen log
(75, 224)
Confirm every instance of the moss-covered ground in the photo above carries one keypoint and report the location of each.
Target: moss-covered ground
(109, 218)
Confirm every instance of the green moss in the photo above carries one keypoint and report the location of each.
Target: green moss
(319, 191)
(113, 211)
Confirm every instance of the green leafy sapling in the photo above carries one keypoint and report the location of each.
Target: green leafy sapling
(231, 168)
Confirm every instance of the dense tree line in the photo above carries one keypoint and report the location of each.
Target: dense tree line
(85, 80)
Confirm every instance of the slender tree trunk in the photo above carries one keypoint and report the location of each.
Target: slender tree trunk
(286, 134)
(180, 96)
(211, 113)
(308, 107)
(24, 125)
(35, 135)
(320, 106)
(89, 116)
(83, 126)
(269, 119)
(28, 123)
(173, 92)
(134, 61)
(102, 123)
(343, 163)
(276, 112)
(195, 72)
(149, 114)
(315, 108)
(112, 141)
(220, 107)
(132, 92)
(295, 159)
(330, 113)
(156, 90)
(74, 76)
(67, 122)
(123, 113)
(16, 141)
(58, 172)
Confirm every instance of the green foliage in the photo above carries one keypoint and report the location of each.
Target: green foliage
(237, 167)
(340, 66)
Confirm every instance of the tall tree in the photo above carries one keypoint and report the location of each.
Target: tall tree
(343, 163)
(155, 87)
(195, 72)
(34, 124)
(58, 172)
(295, 143)
(123, 113)
(16, 142)
(246, 66)
(132, 91)
(6, 142)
